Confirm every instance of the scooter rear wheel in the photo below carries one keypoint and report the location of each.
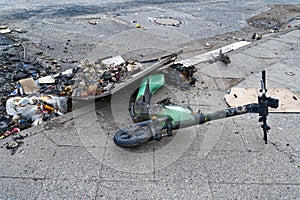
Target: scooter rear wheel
(125, 139)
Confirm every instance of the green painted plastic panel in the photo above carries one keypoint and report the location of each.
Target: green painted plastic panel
(156, 81)
(177, 113)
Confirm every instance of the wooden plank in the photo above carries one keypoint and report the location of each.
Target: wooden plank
(206, 56)
(289, 101)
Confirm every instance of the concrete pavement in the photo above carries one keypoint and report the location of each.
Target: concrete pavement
(74, 157)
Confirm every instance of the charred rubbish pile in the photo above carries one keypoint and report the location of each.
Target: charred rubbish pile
(33, 99)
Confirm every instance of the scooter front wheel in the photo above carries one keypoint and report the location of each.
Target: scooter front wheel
(128, 138)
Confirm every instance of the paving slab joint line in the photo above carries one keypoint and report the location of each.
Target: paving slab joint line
(208, 179)
(240, 135)
(43, 132)
(253, 183)
(286, 151)
(24, 178)
(50, 162)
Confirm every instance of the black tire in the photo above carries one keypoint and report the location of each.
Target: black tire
(123, 139)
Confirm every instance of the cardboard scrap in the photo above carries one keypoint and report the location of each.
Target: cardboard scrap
(28, 85)
(289, 101)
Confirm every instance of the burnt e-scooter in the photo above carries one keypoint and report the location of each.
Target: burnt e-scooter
(153, 122)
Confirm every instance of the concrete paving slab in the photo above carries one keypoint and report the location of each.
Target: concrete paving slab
(254, 191)
(241, 167)
(90, 130)
(282, 136)
(290, 37)
(180, 141)
(294, 33)
(248, 65)
(276, 76)
(151, 190)
(124, 190)
(68, 189)
(260, 52)
(93, 135)
(31, 160)
(286, 132)
(187, 168)
(252, 81)
(12, 188)
(279, 191)
(135, 160)
(220, 69)
(65, 135)
(230, 138)
(115, 174)
(235, 191)
(250, 131)
(206, 138)
(75, 163)
(277, 73)
(279, 46)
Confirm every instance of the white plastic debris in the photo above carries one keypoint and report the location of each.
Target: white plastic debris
(118, 60)
(47, 80)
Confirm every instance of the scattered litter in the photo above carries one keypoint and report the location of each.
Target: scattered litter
(290, 73)
(180, 75)
(294, 23)
(47, 80)
(15, 144)
(8, 133)
(256, 36)
(95, 79)
(3, 27)
(54, 61)
(207, 45)
(18, 30)
(36, 109)
(118, 60)
(165, 102)
(93, 22)
(137, 25)
(6, 30)
(289, 100)
(224, 57)
(221, 57)
(239, 39)
(12, 145)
